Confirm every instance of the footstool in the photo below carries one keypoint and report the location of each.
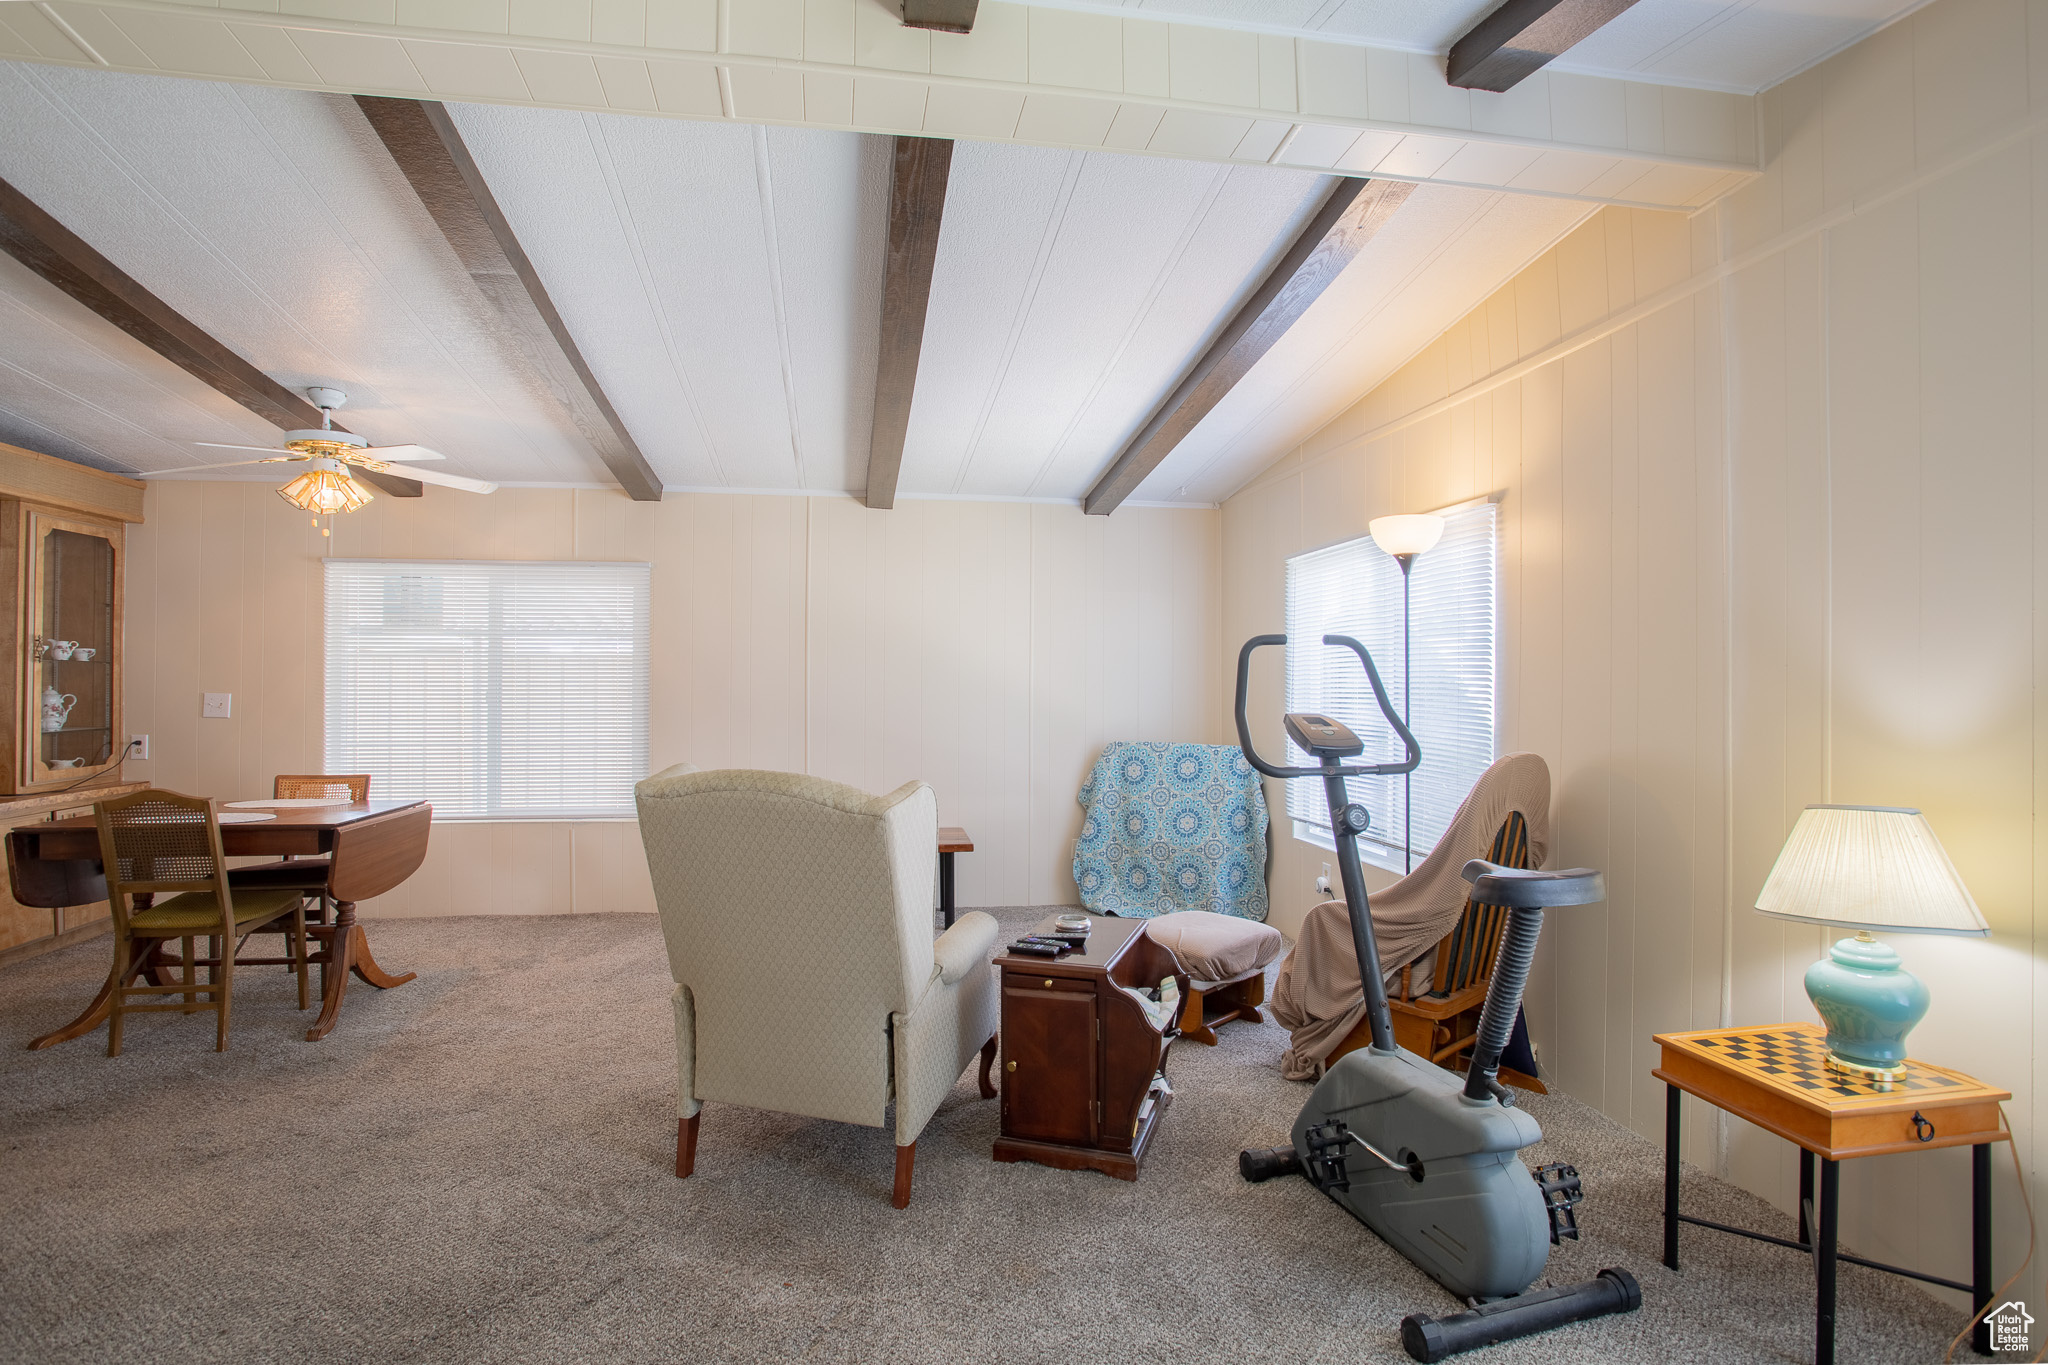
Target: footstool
(1225, 958)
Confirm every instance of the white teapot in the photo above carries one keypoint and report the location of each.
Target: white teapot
(56, 709)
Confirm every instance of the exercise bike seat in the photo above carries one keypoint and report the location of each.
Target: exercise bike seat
(1519, 888)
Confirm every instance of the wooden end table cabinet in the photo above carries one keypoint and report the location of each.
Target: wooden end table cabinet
(1080, 1057)
(1769, 1075)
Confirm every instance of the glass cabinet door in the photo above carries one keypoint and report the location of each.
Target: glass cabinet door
(71, 701)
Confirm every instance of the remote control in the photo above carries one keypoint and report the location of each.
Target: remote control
(1037, 949)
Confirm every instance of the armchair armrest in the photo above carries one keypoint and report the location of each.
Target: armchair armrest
(965, 946)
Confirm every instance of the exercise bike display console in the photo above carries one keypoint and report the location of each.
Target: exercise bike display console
(1423, 1157)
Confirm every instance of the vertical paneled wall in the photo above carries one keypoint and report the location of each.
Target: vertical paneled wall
(988, 649)
(1775, 532)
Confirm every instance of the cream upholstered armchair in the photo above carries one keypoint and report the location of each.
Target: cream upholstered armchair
(798, 915)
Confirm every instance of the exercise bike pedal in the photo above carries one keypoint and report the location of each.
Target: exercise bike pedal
(1561, 1194)
(1258, 1164)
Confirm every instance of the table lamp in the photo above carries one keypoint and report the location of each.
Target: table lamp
(1865, 868)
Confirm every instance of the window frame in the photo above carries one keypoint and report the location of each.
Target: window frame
(485, 665)
(1388, 854)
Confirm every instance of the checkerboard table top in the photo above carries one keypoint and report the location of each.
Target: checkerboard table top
(1789, 1061)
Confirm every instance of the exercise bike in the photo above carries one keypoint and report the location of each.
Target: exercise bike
(1423, 1157)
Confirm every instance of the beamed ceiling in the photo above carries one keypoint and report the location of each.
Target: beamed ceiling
(723, 282)
(1745, 45)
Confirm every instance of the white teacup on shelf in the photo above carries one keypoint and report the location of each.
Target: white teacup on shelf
(81, 654)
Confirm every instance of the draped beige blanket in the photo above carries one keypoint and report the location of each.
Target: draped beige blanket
(1319, 997)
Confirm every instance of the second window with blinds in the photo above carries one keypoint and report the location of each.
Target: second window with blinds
(1355, 589)
(495, 690)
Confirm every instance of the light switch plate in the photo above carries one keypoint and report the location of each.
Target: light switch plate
(218, 705)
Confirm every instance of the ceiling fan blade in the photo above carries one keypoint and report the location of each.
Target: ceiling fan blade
(402, 454)
(195, 468)
(388, 483)
(441, 480)
(222, 445)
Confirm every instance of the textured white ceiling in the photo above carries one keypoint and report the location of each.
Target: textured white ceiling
(1072, 291)
(1742, 45)
(723, 281)
(275, 221)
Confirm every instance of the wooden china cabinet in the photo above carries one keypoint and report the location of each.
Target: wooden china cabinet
(63, 546)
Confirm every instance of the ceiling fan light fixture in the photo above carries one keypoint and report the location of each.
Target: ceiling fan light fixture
(327, 445)
(324, 490)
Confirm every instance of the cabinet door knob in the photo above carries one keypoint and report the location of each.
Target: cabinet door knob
(1009, 1066)
(1048, 984)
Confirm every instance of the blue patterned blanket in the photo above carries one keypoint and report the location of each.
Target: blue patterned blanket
(1172, 827)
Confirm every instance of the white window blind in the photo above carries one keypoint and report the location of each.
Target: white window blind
(494, 690)
(1355, 589)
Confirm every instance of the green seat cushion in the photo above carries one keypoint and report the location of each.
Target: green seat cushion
(198, 911)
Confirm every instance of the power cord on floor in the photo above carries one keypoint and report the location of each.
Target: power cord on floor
(2025, 1203)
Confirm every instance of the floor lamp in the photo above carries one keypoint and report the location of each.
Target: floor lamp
(1404, 538)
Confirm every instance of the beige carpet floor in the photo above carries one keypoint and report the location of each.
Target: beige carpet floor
(477, 1167)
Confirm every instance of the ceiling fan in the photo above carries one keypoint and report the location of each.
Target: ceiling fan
(331, 457)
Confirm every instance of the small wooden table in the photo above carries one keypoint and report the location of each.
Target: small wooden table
(373, 846)
(1776, 1076)
(1084, 1069)
(952, 839)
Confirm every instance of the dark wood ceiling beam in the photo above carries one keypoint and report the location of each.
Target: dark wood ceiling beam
(1520, 37)
(947, 16)
(1348, 219)
(423, 140)
(917, 205)
(36, 239)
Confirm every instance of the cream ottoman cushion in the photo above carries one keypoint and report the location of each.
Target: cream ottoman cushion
(1212, 947)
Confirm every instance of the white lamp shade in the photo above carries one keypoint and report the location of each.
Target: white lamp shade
(1406, 535)
(1869, 867)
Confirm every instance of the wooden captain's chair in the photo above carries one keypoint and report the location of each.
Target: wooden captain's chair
(1442, 1021)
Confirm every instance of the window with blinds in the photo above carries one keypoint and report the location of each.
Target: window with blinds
(494, 690)
(1355, 589)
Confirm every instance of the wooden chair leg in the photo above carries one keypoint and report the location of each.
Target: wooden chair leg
(988, 1061)
(905, 1155)
(224, 997)
(1191, 1024)
(116, 1007)
(299, 949)
(686, 1145)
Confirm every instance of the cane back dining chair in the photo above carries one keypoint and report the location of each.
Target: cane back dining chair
(307, 876)
(156, 842)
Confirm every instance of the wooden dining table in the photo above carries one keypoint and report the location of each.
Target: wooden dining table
(371, 847)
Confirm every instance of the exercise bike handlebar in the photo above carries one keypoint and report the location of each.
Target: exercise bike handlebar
(1379, 692)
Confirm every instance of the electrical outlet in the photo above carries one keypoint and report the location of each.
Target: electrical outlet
(138, 746)
(218, 705)
(1323, 882)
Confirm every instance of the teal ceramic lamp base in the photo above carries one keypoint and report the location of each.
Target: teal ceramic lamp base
(1869, 1003)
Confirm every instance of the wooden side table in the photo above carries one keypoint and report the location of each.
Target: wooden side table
(952, 839)
(1776, 1076)
(1084, 1068)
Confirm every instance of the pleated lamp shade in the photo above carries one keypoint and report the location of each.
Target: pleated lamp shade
(1869, 867)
